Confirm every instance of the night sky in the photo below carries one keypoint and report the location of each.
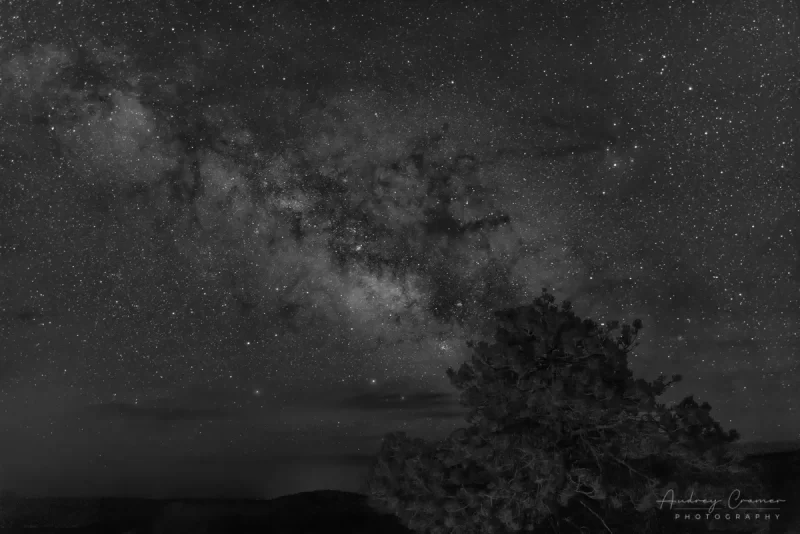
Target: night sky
(240, 242)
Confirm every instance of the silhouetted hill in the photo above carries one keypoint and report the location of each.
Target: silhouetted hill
(323, 512)
(312, 512)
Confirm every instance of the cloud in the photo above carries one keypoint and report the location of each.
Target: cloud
(403, 401)
(403, 398)
(155, 412)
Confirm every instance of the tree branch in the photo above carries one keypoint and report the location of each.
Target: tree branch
(595, 514)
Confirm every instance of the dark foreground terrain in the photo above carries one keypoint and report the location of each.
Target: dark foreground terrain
(312, 512)
(315, 512)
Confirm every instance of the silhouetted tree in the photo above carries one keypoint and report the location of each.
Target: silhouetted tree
(562, 438)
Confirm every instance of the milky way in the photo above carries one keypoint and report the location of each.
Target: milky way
(279, 225)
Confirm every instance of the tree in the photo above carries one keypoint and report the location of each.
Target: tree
(562, 438)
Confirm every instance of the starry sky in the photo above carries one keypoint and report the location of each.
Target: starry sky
(240, 242)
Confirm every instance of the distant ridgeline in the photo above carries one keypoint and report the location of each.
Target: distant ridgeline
(758, 448)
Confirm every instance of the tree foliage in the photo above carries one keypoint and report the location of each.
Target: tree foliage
(560, 433)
